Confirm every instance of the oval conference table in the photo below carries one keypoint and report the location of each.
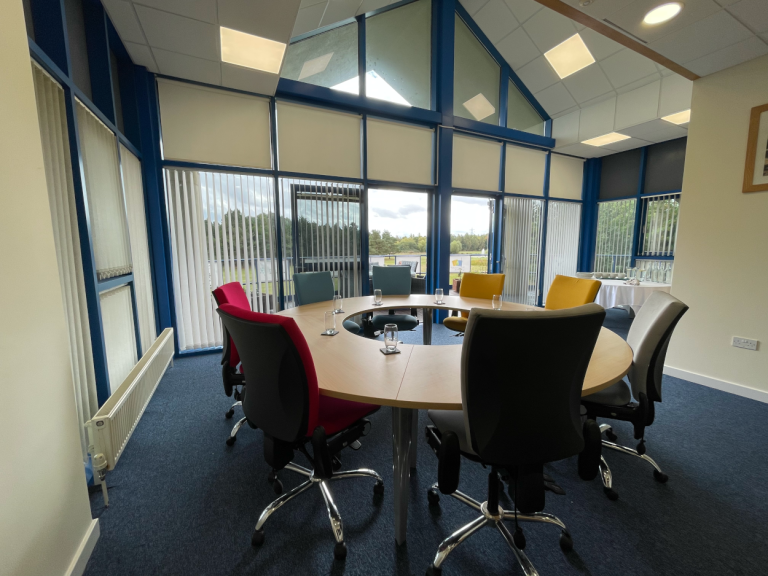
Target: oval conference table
(351, 367)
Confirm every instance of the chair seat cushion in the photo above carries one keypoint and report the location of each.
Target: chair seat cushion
(457, 323)
(452, 421)
(403, 321)
(350, 326)
(336, 414)
(617, 395)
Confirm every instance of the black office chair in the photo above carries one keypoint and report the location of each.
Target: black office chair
(649, 338)
(393, 281)
(521, 380)
(284, 401)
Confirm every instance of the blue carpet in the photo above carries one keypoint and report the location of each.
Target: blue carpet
(184, 503)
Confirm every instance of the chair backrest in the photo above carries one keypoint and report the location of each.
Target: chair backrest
(483, 286)
(392, 280)
(649, 338)
(413, 264)
(284, 400)
(311, 287)
(234, 294)
(569, 292)
(521, 378)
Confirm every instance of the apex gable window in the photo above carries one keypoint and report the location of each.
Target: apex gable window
(476, 78)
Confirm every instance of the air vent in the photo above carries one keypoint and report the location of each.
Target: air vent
(625, 31)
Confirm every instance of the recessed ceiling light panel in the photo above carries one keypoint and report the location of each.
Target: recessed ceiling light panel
(663, 13)
(479, 107)
(251, 51)
(680, 118)
(570, 56)
(609, 138)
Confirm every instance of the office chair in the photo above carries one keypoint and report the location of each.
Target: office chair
(569, 292)
(521, 410)
(393, 281)
(649, 338)
(483, 286)
(311, 287)
(231, 372)
(286, 404)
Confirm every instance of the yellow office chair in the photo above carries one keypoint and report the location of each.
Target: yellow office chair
(483, 286)
(568, 292)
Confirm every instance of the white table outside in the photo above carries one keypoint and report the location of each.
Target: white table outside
(615, 293)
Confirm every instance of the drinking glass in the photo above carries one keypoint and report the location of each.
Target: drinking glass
(641, 275)
(439, 295)
(631, 273)
(337, 302)
(330, 322)
(496, 302)
(390, 337)
(668, 274)
(377, 297)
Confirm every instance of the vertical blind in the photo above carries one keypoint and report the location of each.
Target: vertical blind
(106, 208)
(615, 228)
(659, 217)
(223, 229)
(137, 227)
(119, 334)
(561, 257)
(61, 196)
(522, 249)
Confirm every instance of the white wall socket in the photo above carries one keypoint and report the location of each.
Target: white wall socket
(745, 343)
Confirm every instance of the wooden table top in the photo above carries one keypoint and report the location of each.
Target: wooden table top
(351, 367)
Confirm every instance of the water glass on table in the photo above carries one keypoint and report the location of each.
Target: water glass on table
(496, 302)
(330, 322)
(337, 302)
(439, 296)
(377, 297)
(390, 337)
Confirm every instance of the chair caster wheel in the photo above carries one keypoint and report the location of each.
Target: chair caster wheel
(434, 570)
(611, 493)
(519, 538)
(231, 440)
(229, 414)
(340, 551)
(378, 488)
(257, 538)
(277, 486)
(660, 477)
(566, 542)
(611, 435)
(433, 497)
(336, 463)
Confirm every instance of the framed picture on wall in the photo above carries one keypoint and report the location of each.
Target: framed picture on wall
(756, 167)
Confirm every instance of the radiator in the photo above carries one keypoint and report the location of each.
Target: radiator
(111, 427)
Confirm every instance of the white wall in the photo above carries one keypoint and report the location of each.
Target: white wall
(44, 513)
(721, 265)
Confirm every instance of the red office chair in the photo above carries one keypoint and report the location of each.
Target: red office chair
(231, 371)
(286, 404)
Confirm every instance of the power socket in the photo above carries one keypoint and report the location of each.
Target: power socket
(745, 343)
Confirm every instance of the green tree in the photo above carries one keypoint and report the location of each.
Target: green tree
(407, 244)
(455, 247)
(422, 244)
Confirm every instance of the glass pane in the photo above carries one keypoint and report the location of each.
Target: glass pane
(471, 220)
(398, 55)
(615, 228)
(328, 59)
(476, 78)
(521, 115)
(119, 334)
(660, 214)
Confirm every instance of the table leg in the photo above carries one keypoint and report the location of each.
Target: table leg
(427, 325)
(414, 438)
(402, 429)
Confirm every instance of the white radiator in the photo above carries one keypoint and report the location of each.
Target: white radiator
(112, 426)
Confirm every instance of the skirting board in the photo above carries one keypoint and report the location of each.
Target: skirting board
(725, 386)
(77, 567)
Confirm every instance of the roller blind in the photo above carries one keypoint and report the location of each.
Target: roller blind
(400, 153)
(214, 126)
(476, 163)
(565, 177)
(119, 334)
(524, 171)
(318, 141)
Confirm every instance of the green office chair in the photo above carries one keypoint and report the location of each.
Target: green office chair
(393, 281)
(311, 287)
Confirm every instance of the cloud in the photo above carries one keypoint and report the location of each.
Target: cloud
(482, 201)
(411, 209)
(384, 213)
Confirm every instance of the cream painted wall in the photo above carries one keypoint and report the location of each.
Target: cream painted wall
(44, 513)
(721, 265)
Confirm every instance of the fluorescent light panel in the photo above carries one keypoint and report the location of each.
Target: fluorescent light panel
(251, 51)
(679, 118)
(662, 13)
(570, 56)
(609, 138)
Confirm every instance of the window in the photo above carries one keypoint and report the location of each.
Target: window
(328, 59)
(398, 53)
(476, 78)
(397, 221)
(471, 227)
(119, 334)
(659, 231)
(615, 229)
(522, 249)
(563, 224)
(521, 115)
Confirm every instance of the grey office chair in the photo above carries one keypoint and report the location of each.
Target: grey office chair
(521, 409)
(393, 281)
(649, 338)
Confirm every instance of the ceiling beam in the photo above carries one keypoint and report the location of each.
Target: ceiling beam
(578, 16)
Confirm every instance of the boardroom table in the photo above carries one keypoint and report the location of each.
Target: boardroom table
(351, 367)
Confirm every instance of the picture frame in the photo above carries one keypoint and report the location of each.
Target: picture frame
(756, 163)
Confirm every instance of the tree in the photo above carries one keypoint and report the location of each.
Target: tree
(407, 244)
(455, 247)
(422, 244)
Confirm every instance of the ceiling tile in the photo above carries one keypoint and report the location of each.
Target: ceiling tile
(523, 9)
(496, 20)
(726, 2)
(339, 10)
(473, 6)
(638, 106)
(597, 119)
(555, 99)
(547, 29)
(600, 10)
(630, 18)
(265, 18)
(642, 82)
(601, 98)
(656, 131)
(702, 38)
(538, 74)
(587, 83)
(308, 19)
(752, 13)
(249, 80)
(628, 144)
(518, 49)
(307, 3)
(565, 112)
(371, 5)
(584, 151)
(141, 55)
(600, 46)
(188, 67)
(179, 34)
(735, 54)
(125, 21)
(565, 129)
(627, 66)
(204, 10)
(675, 95)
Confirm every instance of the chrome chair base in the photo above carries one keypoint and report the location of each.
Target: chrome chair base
(493, 520)
(235, 430)
(605, 472)
(340, 550)
(231, 412)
